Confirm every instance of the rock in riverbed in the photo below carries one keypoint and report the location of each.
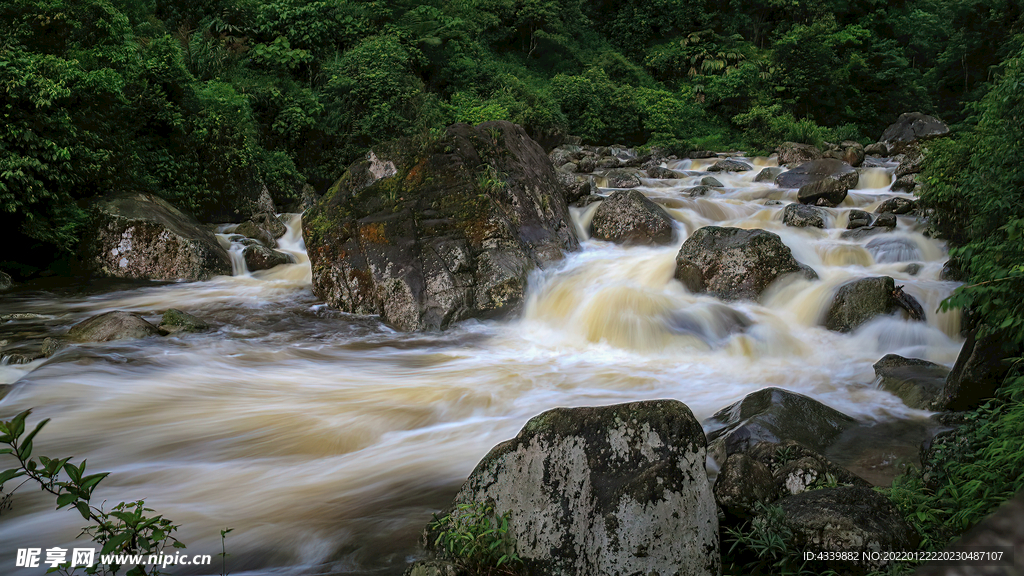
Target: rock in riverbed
(629, 217)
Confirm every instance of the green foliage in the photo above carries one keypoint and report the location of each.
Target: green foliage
(477, 537)
(762, 545)
(125, 529)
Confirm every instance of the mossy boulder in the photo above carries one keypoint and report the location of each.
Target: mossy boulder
(105, 327)
(175, 320)
(613, 490)
(141, 236)
(857, 302)
(733, 263)
(919, 383)
(816, 171)
(629, 217)
(425, 233)
(796, 153)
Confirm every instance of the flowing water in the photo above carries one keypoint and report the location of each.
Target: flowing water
(326, 440)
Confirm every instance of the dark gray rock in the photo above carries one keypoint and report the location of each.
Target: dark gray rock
(803, 216)
(53, 345)
(858, 219)
(912, 127)
(817, 170)
(953, 271)
(587, 164)
(905, 183)
(913, 269)
(897, 205)
(876, 149)
(629, 217)
(614, 490)
(711, 181)
(909, 161)
(105, 327)
(661, 172)
(729, 165)
(918, 383)
(177, 321)
(622, 179)
(260, 257)
(886, 220)
(5, 281)
(742, 484)
(797, 468)
(452, 233)
(141, 236)
(827, 192)
(863, 232)
(264, 228)
(859, 301)
(847, 519)
(887, 249)
(774, 415)
(699, 191)
(734, 264)
(436, 568)
(796, 153)
(702, 154)
(588, 200)
(978, 372)
(768, 174)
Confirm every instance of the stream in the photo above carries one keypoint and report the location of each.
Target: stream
(326, 440)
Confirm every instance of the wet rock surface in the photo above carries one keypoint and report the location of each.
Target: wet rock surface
(796, 153)
(629, 217)
(816, 171)
(105, 327)
(978, 372)
(175, 320)
(141, 236)
(827, 192)
(857, 302)
(803, 216)
(919, 383)
(615, 490)
(425, 240)
(734, 264)
(912, 127)
(258, 257)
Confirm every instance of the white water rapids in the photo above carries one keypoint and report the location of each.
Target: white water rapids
(327, 440)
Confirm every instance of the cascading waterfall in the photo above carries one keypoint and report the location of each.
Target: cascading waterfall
(328, 439)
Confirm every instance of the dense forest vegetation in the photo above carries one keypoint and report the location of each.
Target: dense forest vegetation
(202, 101)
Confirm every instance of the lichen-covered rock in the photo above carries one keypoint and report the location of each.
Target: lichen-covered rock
(876, 149)
(905, 183)
(912, 127)
(258, 257)
(796, 153)
(803, 216)
(978, 372)
(797, 468)
(918, 383)
(264, 227)
(827, 192)
(886, 220)
(697, 191)
(768, 174)
(141, 236)
(729, 165)
(817, 170)
(858, 219)
(614, 490)
(897, 205)
(175, 320)
(734, 264)
(774, 415)
(742, 484)
(449, 232)
(859, 301)
(105, 327)
(629, 217)
(847, 519)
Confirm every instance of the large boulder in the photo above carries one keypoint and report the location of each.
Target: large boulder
(265, 227)
(848, 519)
(978, 372)
(733, 263)
(796, 153)
(629, 217)
(622, 179)
(427, 234)
(141, 236)
(105, 327)
(774, 415)
(858, 301)
(817, 170)
(897, 205)
(803, 216)
(729, 165)
(258, 257)
(768, 174)
(918, 383)
(615, 490)
(912, 127)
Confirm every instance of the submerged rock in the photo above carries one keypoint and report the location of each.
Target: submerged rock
(699, 191)
(177, 321)
(775, 415)
(105, 327)
(441, 232)
(614, 490)
(853, 519)
(141, 236)
(734, 264)
(803, 216)
(892, 248)
(629, 217)
(710, 181)
(817, 170)
(918, 383)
